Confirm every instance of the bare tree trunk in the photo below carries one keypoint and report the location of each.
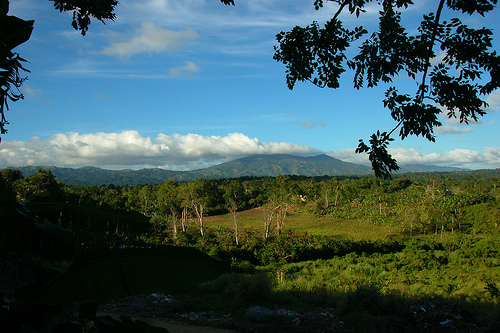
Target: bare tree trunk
(199, 213)
(175, 217)
(268, 221)
(184, 219)
(380, 206)
(174, 227)
(327, 203)
(267, 225)
(280, 217)
(336, 196)
(232, 210)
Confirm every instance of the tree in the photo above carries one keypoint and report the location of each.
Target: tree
(201, 195)
(453, 83)
(147, 199)
(40, 185)
(15, 31)
(184, 197)
(169, 202)
(10, 176)
(233, 197)
(278, 204)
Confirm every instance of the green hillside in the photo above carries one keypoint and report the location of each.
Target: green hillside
(253, 166)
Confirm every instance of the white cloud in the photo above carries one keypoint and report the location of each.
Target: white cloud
(310, 125)
(150, 38)
(464, 158)
(348, 155)
(493, 101)
(188, 68)
(130, 149)
(255, 13)
(457, 157)
(452, 130)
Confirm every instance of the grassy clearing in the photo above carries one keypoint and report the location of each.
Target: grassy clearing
(301, 222)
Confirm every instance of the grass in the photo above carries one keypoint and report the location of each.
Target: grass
(301, 222)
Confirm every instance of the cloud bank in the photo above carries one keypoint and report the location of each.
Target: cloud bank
(130, 149)
(461, 158)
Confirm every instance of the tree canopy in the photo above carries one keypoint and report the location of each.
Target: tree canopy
(454, 84)
(15, 31)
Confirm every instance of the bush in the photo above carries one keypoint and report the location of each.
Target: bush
(237, 291)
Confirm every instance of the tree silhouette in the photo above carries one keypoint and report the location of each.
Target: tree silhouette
(454, 84)
(15, 31)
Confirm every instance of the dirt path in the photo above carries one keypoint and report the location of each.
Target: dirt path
(175, 327)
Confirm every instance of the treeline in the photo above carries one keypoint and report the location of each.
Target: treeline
(420, 203)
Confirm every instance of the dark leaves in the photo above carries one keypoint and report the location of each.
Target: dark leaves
(414, 117)
(382, 162)
(318, 4)
(467, 51)
(472, 6)
(13, 32)
(84, 10)
(315, 54)
(387, 52)
(454, 82)
(457, 95)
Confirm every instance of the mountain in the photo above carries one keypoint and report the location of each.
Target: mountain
(256, 165)
(407, 168)
(283, 164)
(98, 176)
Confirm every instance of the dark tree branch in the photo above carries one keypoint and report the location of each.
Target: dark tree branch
(429, 51)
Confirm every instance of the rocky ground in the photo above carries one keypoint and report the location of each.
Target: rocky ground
(258, 319)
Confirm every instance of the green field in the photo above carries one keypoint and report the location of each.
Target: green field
(305, 222)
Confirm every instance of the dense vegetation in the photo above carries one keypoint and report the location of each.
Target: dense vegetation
(422, 249)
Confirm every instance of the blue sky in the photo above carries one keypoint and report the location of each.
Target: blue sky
(183, 84)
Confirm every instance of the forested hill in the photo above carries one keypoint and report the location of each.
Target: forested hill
(256, 165)
(283, 164)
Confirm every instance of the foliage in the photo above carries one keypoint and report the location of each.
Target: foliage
(83, 10)
(454, 83)
(15, 31)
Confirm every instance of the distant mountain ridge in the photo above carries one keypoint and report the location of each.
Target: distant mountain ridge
(283, 164)
(255, 165)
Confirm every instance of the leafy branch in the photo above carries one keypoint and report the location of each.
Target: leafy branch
(454, 83)
(15, 31)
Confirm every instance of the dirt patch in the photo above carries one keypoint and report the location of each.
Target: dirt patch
(256, 319)
(174, 326)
